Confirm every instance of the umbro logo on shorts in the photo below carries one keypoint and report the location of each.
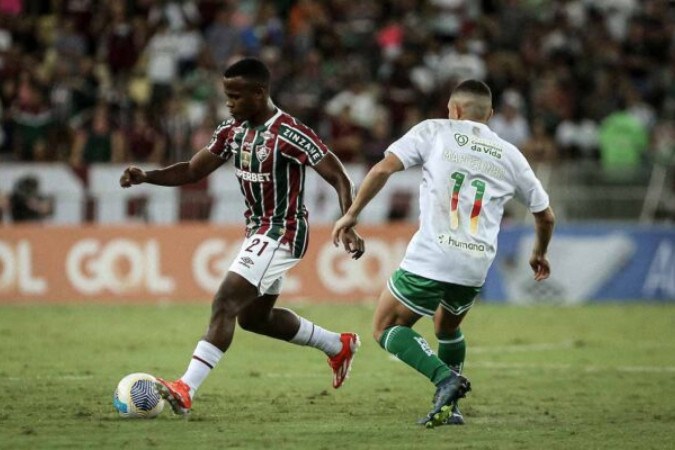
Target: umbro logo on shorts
(246, 262)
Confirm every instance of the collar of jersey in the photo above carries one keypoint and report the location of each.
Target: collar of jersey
(267, 123)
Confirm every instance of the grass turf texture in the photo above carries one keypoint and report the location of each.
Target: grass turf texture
(543, 377)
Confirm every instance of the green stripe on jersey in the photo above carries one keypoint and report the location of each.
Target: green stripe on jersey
(257, 189)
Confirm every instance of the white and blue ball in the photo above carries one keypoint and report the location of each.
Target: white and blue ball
(136, 397)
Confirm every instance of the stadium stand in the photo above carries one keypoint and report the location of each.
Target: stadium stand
(586, 88)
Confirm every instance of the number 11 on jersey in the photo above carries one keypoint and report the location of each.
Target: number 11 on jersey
(459, 178)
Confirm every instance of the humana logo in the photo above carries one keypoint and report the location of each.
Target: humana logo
(447, 240)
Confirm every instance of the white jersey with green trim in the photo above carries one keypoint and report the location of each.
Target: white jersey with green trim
(469, 173)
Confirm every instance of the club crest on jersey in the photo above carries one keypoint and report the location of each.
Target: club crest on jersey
(461, 139)
(263, 151)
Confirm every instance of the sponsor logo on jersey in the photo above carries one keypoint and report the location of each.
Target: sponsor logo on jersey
(487, 148)
(301, 141)
(446, 239)
(246, 154)
(461, 139)
(253, 176)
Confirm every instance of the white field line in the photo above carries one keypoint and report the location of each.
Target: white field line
(521, 348)
(491, 365)
(518, 367)
(49, 378)
(524, 367)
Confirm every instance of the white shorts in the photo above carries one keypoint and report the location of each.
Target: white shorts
(263, 262)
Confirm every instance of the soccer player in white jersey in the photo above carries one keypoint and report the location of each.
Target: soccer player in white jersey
(469, 173)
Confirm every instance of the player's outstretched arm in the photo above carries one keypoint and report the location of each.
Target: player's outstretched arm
(375, 180)
(544, 222)
(202, 164)
(331, 169)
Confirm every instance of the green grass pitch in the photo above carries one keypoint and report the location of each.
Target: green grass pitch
(544, 378)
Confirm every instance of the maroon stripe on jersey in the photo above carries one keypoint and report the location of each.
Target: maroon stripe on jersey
(269, 189)
(294, 179)
(218, 143)
(247, 186)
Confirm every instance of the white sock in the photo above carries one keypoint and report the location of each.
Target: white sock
(204, 358)
(317, 337)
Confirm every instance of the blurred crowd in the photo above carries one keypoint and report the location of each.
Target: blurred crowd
(87, 81)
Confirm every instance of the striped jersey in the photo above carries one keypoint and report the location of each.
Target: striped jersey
(270, 161)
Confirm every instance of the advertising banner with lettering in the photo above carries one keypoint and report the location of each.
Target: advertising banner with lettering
(178, 263)
(187, 263)
(589, 263)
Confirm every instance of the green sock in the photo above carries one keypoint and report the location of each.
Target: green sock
(414, 350)
(452, 349)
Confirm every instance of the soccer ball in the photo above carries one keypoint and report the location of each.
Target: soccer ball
(136, 397)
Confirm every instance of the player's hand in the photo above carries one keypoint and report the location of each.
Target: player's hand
(353, 243)
(343, 224)
(540, 267)
(132, 175)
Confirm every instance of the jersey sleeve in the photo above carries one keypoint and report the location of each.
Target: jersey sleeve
(411, 146)
(219, 144)
(301, 144)
(529, 189)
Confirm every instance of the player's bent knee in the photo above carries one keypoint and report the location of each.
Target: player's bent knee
(252, 324)
(223, 306)
(377, 334)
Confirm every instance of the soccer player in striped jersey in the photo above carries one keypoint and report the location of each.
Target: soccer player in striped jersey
(270, 150)
(469, 173)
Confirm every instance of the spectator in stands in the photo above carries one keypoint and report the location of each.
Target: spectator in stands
(201, 88)
(377, 141)
(98, 140)
(301, 91)
(577, 137)
(361, 99)
(69, 43)
(459, 63)
(346, 138)
(31, 118)
(145, 142)
(175, 125)
(122, 42)
(509, 122)
(540, 146)
(162, 54)
(623, 141)
(27, 203)
(223, 39)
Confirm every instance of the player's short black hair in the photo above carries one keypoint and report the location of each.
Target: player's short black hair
(474, 87)
(251, 69)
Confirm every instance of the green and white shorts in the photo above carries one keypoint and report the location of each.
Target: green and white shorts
(422, 295)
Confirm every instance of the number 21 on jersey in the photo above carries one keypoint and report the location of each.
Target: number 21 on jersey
(479, 185)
